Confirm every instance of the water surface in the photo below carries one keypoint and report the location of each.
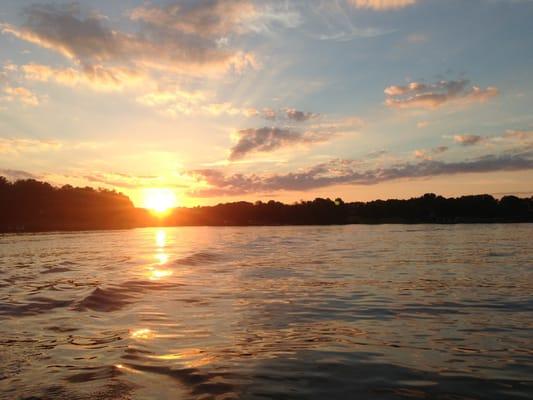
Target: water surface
(378, 312)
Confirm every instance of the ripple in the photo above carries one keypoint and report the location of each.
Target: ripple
(199, 258)
(38, 305)
(386, 312)
(104, 300)
(94, 373)
(117, 297)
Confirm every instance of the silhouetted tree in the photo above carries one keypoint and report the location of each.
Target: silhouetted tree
(31, 205)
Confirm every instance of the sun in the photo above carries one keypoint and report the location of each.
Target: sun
(159, 200)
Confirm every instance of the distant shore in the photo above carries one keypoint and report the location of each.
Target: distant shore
(33, 206)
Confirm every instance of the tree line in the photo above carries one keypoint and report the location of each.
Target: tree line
(31, 205)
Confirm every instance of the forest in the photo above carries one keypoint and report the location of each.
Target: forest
(30, 206)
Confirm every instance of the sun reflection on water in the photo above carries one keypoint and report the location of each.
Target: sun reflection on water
(156, 274)
(191, 358)
(143, 333)
(162, 258)
(161, 238)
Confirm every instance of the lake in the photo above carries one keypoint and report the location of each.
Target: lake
(337, 312)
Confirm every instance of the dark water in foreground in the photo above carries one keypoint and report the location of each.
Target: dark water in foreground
(378, 312)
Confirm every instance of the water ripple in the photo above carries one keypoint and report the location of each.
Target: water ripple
(388, 312)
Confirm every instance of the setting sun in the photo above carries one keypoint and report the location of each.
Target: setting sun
(159, 200)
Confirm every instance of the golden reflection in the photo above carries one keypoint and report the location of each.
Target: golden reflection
(192, 358)
(143, 334)
(160, 238)
(176, 356)
(201, 362)
(156, 274)
(162, 258)
(124, 368)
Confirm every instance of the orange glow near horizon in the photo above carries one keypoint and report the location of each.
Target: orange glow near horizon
(158, 200)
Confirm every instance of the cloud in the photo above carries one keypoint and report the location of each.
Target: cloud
(269, 139)
(226, 108)
(174, 101)
(15, 174)
(97, 77)
(177, 101)
(216, 19)
(336, 125)
(382, 5)
(428, 154)
(120, 180)
(268, 113)
(206, 18)
(22, 94)
(349, 172)
(376, 154)
(432, 96)
(14, 146)
(290, 114)
(299, 116)
(96, 48)
(521, 135)
(468, 140)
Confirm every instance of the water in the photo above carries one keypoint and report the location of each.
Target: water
(378, 312)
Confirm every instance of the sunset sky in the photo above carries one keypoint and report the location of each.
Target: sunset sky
(225, 100)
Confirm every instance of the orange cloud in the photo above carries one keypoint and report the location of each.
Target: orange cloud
(432, 96)
(15, 146)
(19, 93)
(177, 101)
(97, 77)
(518, 135)
(468, 140)
(103, 52)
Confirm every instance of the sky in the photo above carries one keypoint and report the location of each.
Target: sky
(227, 100)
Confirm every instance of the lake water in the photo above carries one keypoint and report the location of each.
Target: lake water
(343, 312)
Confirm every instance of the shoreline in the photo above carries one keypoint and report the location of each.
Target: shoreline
(109, 229)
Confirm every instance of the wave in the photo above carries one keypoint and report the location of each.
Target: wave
(116, 297)
(198, 259)
(38, 305)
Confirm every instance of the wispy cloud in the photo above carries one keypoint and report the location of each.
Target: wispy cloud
(428, 154)
(269, 139)
(382, 5)
(215, 19)
(121, 180)
(522, 135)
(20, 94)
(175, 101)
(15, 145)
(432, 96)
(299, 116)
(344, 172)
(468, 140)
(97, 77)
(289, 114)
(15, 174)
